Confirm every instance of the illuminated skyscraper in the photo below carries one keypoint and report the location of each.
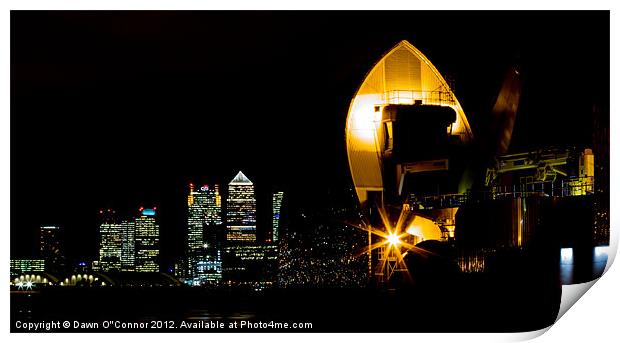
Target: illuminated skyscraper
(128, 248)
(195, 221)
(204, 219)
(276, 206)
(50, 247)
(117, 243)
(147, 241)
(241, 210)
(213, 205)
(204, 213)
(110, 242)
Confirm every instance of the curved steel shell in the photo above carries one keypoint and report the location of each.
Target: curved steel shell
(402, 76)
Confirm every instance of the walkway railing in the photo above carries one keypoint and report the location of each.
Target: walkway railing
(564, 188)
(410, 96)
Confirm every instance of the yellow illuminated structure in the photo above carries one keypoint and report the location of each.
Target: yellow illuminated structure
(402, 80)
(403, 76)
(413, 165)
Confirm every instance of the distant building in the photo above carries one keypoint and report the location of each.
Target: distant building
(147, 241)
(117, 243)
(251, 266)
(110, 241)
(241, 210)
(208, 268)
(195, 220)
(110, 247)
(204, 220)
(82, 267)
(204, 215)
(180, 268)
(19, 267)
(51, 247)
(276, 207)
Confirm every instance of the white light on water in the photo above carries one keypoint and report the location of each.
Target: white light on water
(601, 252)
(566, 255)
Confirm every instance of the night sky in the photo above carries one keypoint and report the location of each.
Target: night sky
(123, 109)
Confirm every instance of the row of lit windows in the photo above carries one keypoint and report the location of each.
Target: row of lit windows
(141, 243)
(241, 233)
(22, 266)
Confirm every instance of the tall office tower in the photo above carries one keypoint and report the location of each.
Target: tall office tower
(276, 206)
(50, 247)
(204, 213)
(128, 248)
(147, 241)
(204, 219)
(195, 220)
(212, 214)
(110, 241)
(241, 210)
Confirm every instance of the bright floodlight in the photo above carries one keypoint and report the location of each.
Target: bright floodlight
(393, 239)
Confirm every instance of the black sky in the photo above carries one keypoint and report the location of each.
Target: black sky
(122, 109)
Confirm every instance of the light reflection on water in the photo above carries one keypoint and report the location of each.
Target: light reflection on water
(600, 260)
(594, 266)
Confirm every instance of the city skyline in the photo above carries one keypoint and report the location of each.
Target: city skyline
(222, 247)
(120, 236)
(123, 223)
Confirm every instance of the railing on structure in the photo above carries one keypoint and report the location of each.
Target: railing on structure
(563, 188)
(410, 96)
(566, 187)
(440, 201)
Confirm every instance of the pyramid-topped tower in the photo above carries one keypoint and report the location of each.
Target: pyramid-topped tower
(240, 179)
